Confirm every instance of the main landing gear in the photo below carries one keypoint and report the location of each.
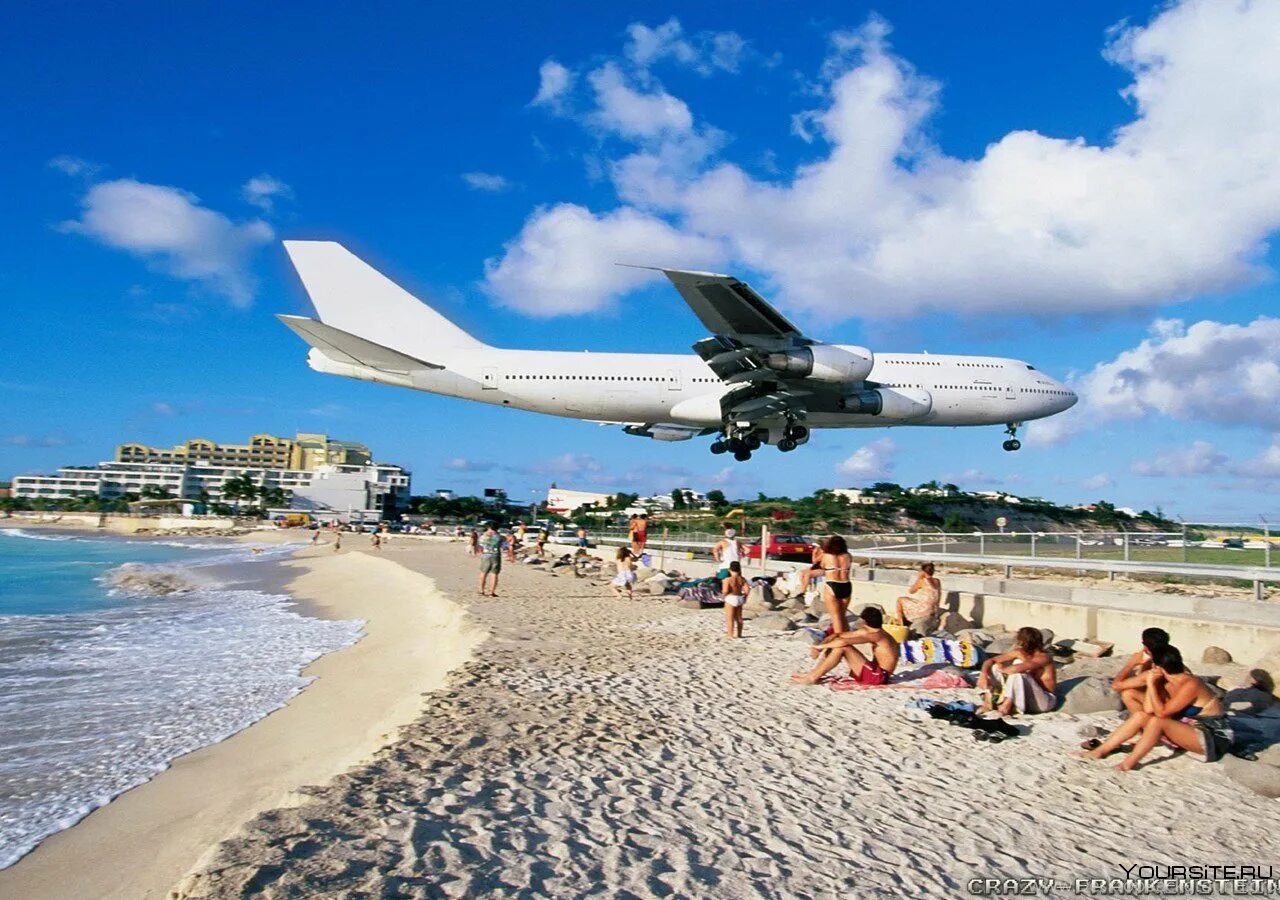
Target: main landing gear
(742, 442)
(1013, 443)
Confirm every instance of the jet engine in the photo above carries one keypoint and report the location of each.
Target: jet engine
(663, 432)
(896, 404)
(823, 362)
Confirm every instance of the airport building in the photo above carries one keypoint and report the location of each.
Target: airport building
(323, 476)
(564, 503)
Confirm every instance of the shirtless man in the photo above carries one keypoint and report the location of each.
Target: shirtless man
(1026, 676)
(1131, 681)
(1177, 705)
(871, 671)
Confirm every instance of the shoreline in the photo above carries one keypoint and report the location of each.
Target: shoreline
(144, 841)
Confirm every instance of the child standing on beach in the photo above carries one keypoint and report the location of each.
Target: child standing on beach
(626, 576)
(734, 588)
(473, 544)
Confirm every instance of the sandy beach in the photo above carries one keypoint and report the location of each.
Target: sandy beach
(615, 748)
(146, 839)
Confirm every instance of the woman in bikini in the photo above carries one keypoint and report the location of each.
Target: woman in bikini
(1179, 708)
(837, 589)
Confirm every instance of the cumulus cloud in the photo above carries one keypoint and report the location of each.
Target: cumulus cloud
(167, 227)
(704, 52)
(486, 181)
(1265, 465)
(1179, 202)
(264, 190)
(1098, 482)
(564, 259)
(631, 113)
(554, 83)
(870, 463)
(74, 166)
(1201, 458)
(1208, 371)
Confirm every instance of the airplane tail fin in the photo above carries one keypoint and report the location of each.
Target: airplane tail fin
(353, 297)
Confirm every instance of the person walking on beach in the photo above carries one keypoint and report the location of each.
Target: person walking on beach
(582, 536)
(641, 535)
(315, 537)
(490, 545)
(734, 589)
(837, 589)
(1179, 707)
(626, 577)
(871, 671)
(473, 544)
(376, 540)
(510, 545)
(728, 549)
(337, 541)
(1025, 679)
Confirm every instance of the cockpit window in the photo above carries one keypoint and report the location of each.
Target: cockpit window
(1032, 368)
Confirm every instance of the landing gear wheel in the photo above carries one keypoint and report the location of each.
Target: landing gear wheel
(742, 455)
(751, 442)
(733, 445)
(797, 433)
(786, 445)
(1012, 444)
(718, 447)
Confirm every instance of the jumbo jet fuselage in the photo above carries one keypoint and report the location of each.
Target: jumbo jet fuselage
(680, 389)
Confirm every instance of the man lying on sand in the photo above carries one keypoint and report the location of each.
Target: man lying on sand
(1177, 706)
(872, 672)
(1025, 678)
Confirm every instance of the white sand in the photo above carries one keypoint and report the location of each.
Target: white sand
(625, 749)
(142, 843)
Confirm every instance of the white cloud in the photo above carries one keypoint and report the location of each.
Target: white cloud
(164, 409)
(74, 166)
(167, 227)
(554, 83)
(870, 463)
(971, 477)
(1201, 458)
(564, 259)
(1208, 371)
(462, 464)
(486, 181)
(1178, 203)
(567, 465)
(623, 110)
(1098, 482)
(704, 52)
(264, 190)
(1265, 465)
(29, 440)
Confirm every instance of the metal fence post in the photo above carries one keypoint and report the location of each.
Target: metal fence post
(919, 543)
(982, 544)
(1079, 545)
(1126, 546)
(1266, 542)
(1033, 545)
(1184, 541)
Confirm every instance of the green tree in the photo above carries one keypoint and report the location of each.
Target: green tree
(677, 499)
(241, 487)
(716, 498)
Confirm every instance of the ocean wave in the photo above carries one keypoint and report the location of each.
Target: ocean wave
(148, 580)
(31, 536)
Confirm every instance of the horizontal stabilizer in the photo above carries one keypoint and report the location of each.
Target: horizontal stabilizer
(342, 346)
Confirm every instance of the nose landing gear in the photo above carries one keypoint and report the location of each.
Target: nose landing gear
(1013, 443)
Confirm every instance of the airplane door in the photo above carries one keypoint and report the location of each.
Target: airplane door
(489, 378)
(673, 380)
(1009, 393)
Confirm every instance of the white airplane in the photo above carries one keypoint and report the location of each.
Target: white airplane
(756, 380)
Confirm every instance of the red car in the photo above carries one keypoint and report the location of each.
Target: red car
(783, 546)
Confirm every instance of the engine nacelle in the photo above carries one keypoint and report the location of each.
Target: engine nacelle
(896, 404)
(824, 362)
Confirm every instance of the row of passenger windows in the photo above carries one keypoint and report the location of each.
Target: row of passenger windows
(1044, 391)
(587, 378)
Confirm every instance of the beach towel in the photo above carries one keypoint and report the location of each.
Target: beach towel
(964, 654)
(937, 680)
(701, 593)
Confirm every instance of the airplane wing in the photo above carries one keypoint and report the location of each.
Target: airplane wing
(344, 347)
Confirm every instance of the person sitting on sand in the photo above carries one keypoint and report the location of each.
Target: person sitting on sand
(1131, 681)
(814, 570)
(1177, 706)
(873, 671)
(734, 589)
(626, 576)
(922, 600)
(1026, 679)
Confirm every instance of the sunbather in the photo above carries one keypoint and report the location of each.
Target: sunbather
(1131, 681)
(922, 601)
(842, 646)
(1178, 707)
(1023, 680)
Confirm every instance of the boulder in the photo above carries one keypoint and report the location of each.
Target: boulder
(1047, 635)
(953, 623)
(1000, 644)
(1091, 649)
(975, 636)
(1257, 776)
(1088, 694)
(1215, 656)
(772, 621)
(644, 573)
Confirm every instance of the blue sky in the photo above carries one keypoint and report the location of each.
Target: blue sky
(955, 177)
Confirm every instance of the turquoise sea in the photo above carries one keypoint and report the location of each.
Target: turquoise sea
(117, 656)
